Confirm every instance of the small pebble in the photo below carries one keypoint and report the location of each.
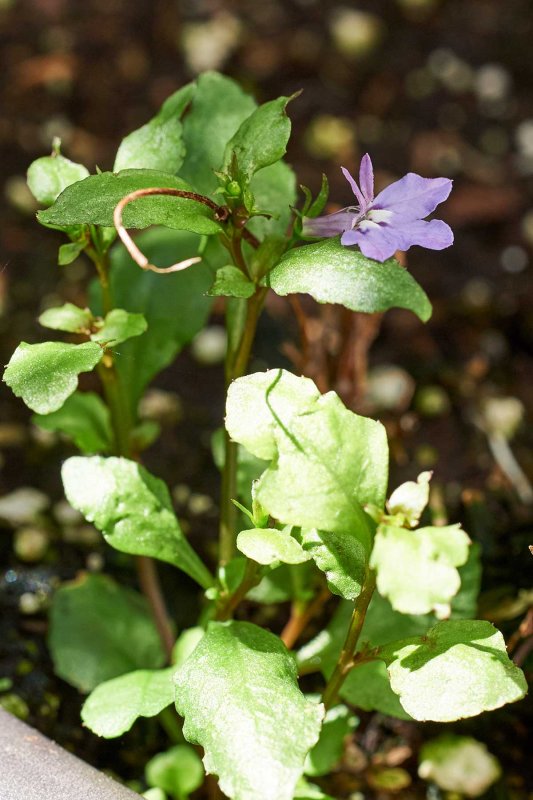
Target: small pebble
(30, 603)
(390, 388)
(22, 505)
(65, 514)
(95, 562)
(161, 406)
(200, 504)
(30, 544)
(432, 401)
(209, 346)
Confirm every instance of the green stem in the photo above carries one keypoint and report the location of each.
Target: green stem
(236, 362)
(122, 424)
(230, 603)
(346, 658)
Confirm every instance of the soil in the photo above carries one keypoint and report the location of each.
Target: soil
(435, 87)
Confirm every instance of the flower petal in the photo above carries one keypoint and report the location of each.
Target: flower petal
(355, 188)
(377, 241)
(328, 225)
(435, 234)
(366, 178)
(413, 197)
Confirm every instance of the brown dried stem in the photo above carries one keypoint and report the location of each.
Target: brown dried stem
(136, 254)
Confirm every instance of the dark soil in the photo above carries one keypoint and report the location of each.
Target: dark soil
(445, 89)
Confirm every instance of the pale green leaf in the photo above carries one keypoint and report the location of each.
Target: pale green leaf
(178, 771)
(327, 464)
(99, 630)
(113, 707)
(50, 175)
(158, 144)
(175, 306)
(185, 645)
(458, 764)
(239, 695)
(231, 282)
(93, 201)
(367, 687)
(119, 325)
(338, 723)
(83, 417)
(249, 418)
(133, 510)
(67, 317)
(336, 556)
(332, 273)
(218, 107)
(428, 557)
(409, 500)
(260, 141)
(69, 252)
(44, 375)
(459, 669)
(268, 545)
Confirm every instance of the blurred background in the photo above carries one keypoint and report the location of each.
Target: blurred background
(439, 87)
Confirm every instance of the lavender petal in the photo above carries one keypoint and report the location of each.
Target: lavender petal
(435, 234)
(328, 225)
(355, 189)
(366, 178)
(377, 242)
(413, 197)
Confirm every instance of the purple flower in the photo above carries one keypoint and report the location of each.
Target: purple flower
(394, 220)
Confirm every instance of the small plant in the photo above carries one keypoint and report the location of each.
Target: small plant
(304, 513)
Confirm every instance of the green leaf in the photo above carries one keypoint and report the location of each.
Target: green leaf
(133, 510)
(332, 273)
(327, 463)
(99, 630)
(50, 175)
(178, 771)
(295, 582)
(218, 107)
(249, 467)
(85, 418)
(120, 325)
(458, 669)
(368, 687)
(274, 190)
(249, 418)
(231, 282)
(260, 141)
(428, 578)
(174, 306)
(186, 644)
(112, 708)
(458, 764)
(336, 556)
(44, 375)
(268, 545)
(69, 252)
(93, 201)
(67, 318)
(158, 144)
(327, 752)
(318, 204)
(309, 791)
(239, 695)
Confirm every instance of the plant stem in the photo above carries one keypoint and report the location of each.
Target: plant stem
(122, 423)
(236, 362)
(301, 617)
(250, 579)
(346, 658)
